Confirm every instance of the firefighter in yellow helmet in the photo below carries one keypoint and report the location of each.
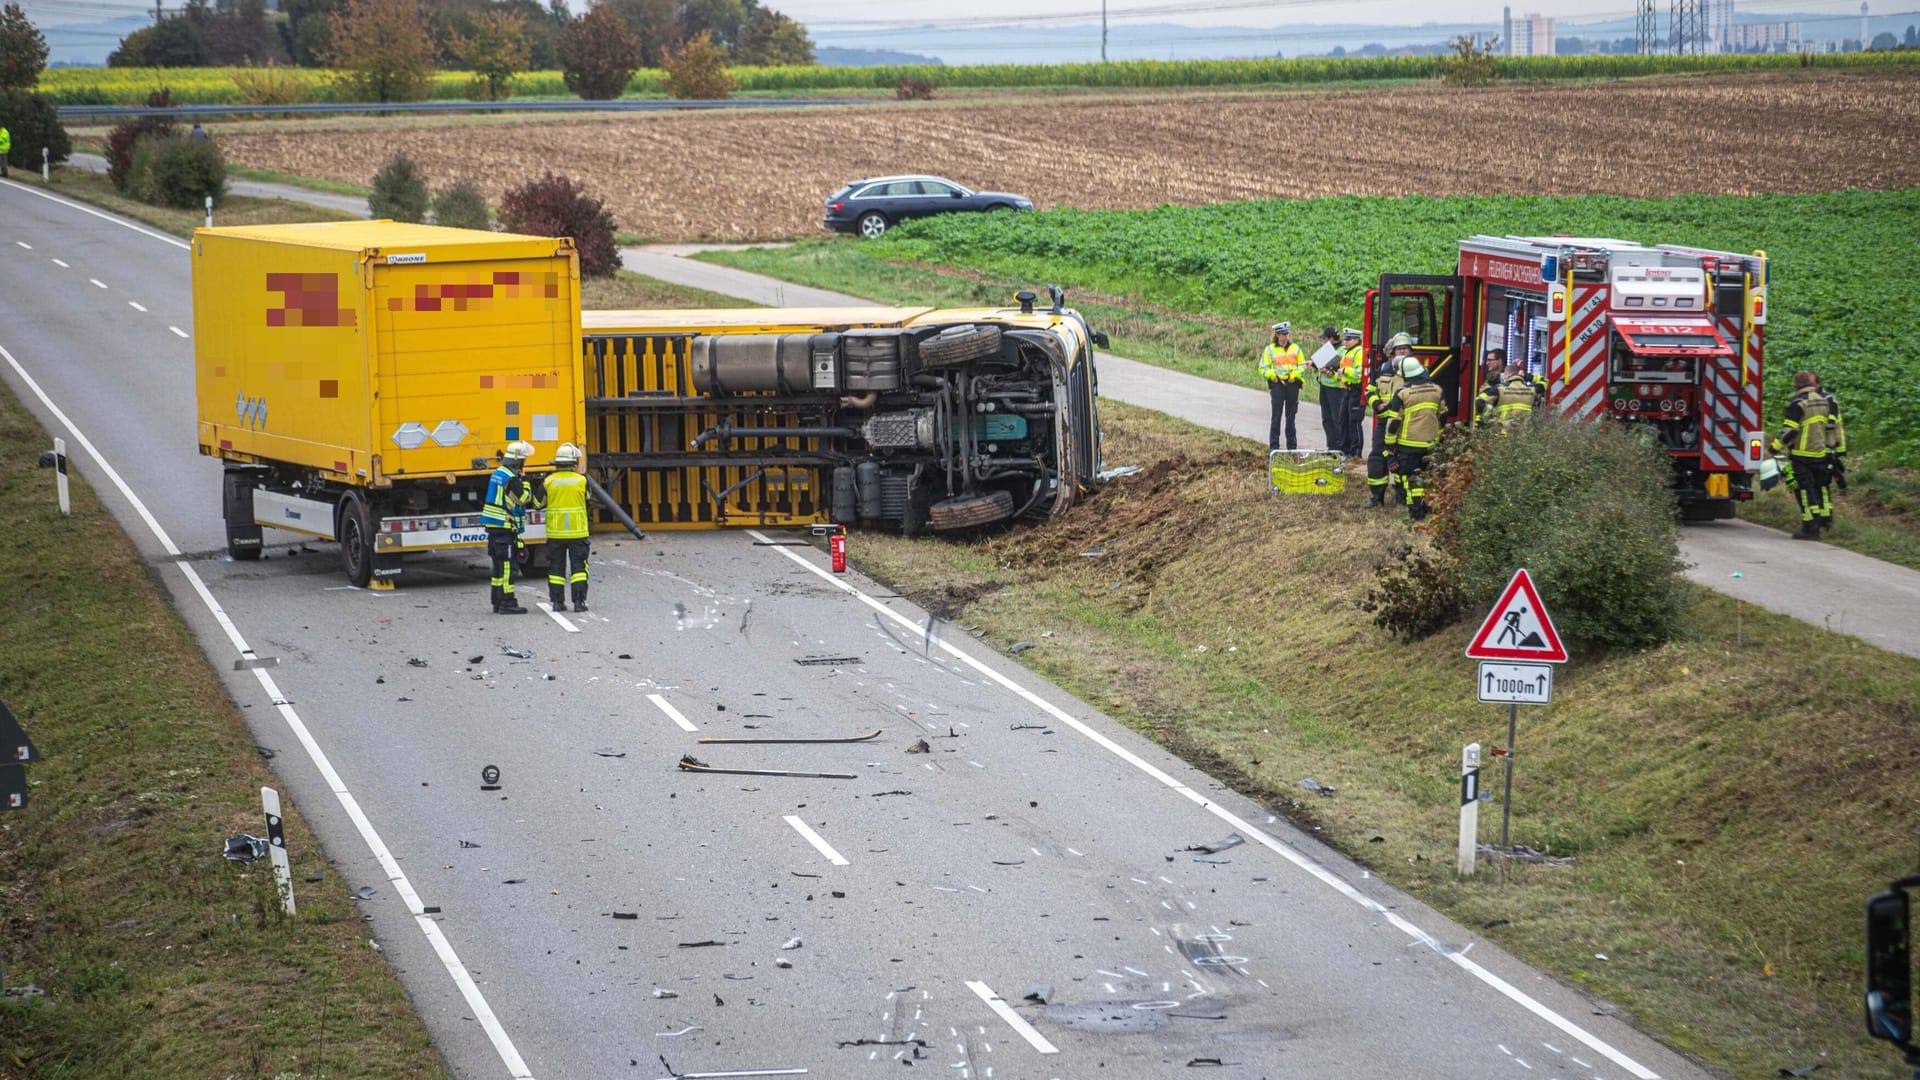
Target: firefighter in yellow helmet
(1381, 386)
(1510, 400)
(567, 528)
(504, 516)
(1419, 402)
(1815, 442)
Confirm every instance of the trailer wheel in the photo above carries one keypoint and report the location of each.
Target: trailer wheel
(236, 509)
(355, 530)
(969, 511)
(959, 344)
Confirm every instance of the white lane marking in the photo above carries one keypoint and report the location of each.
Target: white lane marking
(135, 305)
(819, 842)
(69, 203)
(1014, 1020)
(97, 282)
(24, 244)
(177, 331)
(559, 618)
(61, 264)
(483, 1013)
(1200, 799)
(672, 713)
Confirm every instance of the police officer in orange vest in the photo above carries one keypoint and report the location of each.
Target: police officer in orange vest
(1282, 365)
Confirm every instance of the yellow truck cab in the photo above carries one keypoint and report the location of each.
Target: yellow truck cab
(360, 379)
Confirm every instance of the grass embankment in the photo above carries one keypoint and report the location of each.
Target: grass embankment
(83, 185)
(1728, 800)
(157, 957)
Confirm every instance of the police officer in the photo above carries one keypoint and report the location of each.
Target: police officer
(1333, 405)
(1510, 399)
(6, 147)
(567, 527)
(504, 516)
(1813, 439)
(1380, 390)
(1283, 366)
(1419, 403)
(1353, 369)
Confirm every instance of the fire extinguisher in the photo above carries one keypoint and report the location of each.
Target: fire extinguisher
(838, 545)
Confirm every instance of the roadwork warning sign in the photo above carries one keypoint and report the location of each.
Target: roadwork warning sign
(1518, 628)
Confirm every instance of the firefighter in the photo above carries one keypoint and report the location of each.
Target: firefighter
(1333, 405)
(1419, 403)
(1283, 365)
(1385, 383)
(1812, 438)
(1510, 399)
(1353, 368)
(504, 516)
(1493, 366)
(567, 527)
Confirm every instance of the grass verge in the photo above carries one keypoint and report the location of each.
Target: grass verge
(85, 186)
(157, 957)
(627, 291)
(311, 183)
(1716, 863)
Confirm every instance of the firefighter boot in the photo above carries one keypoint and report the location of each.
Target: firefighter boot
(508, 605)
(580, 597)
(557, 599)
(1376, 495)
(1808, 531)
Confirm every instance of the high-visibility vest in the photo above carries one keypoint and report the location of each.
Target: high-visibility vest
(6, 140)
(1282, 363)
(1512, 400)
(1353, 364)
(1812, 429)
(506, 506)
(1380, 399)
(1419, 404)
(567, 506)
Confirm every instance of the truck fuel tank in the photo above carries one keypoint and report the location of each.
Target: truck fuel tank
(781, 363)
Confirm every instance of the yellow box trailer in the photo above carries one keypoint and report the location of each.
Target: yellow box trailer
(359, 379)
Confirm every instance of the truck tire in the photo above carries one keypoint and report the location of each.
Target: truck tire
(971, 511)
(959, 344)
(236, 509)
(354, 527)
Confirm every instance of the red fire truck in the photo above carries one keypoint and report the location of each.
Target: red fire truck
(1666, 337)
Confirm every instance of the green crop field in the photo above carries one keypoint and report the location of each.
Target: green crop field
(130, 86)
(1843, 266)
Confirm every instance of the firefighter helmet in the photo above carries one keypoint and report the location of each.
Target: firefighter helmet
(1412, 368)
(518, 450)
(568, 454)
(1400, 339)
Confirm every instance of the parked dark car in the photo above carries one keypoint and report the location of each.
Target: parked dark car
(870, 207)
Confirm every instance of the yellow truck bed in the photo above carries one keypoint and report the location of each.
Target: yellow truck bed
(372, 351)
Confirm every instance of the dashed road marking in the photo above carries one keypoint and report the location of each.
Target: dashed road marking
(819, 842)
(177, 332)
(559, 618)
(97, 282)
(24, 244)
(1014, 1020)
(135, 305)
(61, 263)
(672, 713)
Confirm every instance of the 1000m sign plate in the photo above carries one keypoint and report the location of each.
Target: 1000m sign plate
(1525, 684)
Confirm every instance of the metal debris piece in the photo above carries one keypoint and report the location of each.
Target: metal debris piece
(468, 844)
(364, 892)
(608, 751)
(920, 746)
(245, 849)
(1019, 647)
(1210, 1063)
(1214, 847)
(1116, 472)
(517, 654)
(689, 763)
(659, 993)
(874, 734)
(702, 944)
(1039, 994)
(674, 1034)
(922, 1043)
(626, 914)
(792, 943)
(256, 662)
(476, 659)
(896, 791)
(783, 963)
(826, 658)
(1011, 862)
(515, 881)
(414, 661)
(1316, 786)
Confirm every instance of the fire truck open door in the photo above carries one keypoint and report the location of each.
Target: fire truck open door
(1431, 308)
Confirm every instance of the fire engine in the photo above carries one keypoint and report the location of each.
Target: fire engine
(1665, 338)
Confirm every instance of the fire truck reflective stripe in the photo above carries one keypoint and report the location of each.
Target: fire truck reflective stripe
(1581, 393)
(1723, 429)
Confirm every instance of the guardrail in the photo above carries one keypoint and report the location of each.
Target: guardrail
(71, 113)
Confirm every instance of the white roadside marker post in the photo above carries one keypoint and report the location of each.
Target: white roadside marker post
(1469, 807)
(209, 211)
(60, 475)
(277, 847)
(46, 166)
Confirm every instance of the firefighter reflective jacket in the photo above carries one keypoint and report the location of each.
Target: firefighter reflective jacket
(1512, 400)
(1812, 429)
(1419, 403)
(1282, 364)
(1380, 398)
(567, 506)
(506, 506)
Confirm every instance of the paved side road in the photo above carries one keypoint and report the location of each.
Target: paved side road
(259, 189)
(1827, 586)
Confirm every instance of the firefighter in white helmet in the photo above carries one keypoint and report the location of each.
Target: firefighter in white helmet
(1383, 384)
(504, 516)
(567, 528)
(1420, 403)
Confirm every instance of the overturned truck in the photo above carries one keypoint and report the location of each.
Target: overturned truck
(908, 418)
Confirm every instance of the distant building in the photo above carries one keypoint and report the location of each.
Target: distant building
(1529, 35)
(1762, 37)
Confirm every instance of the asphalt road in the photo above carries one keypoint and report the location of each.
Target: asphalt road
(602, 910)
(1826, 586)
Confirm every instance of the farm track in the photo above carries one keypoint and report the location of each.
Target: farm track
(756, 175)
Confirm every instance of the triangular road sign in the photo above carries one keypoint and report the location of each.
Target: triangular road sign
(1518, 627)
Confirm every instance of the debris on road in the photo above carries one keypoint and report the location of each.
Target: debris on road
(920, 746)
(1214, 847)
(476, 659)
(364, 892)
(468, 844)
(659, 993)
(626, 914)
(689, 763)
(792, 943)
(608, 751)
(708, 944)
(490, 778)
(516, 653)
(869, 736)
(826, 658)
(1039, 994)
(1019, 647)
(245, 849)
(414, 661)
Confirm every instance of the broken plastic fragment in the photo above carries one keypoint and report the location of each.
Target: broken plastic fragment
(517, 654)
(364, 892)
(414, 661)
(245, 849)
(792, 943)
(1316, 786)
(920, 746)
(1019, 647)
(1212, 847)
(1039, 994)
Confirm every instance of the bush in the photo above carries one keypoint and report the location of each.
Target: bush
(271, 85)
(23, 49)
(461, 205)
(914, 90)
(399, 191)
(1416, 593)
(127, 135)
(555, 206)
(697, 70)
(173, 170)
(34, 122)
(598, 54)
(1587, 508)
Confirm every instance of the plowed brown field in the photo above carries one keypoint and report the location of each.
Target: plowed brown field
(763, 174)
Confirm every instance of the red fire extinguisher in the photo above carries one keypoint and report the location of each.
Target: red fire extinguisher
(838, 545)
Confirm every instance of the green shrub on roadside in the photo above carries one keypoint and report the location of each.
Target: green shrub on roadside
(1416, 591)
(399, 191)
(182, 172)
(124, 137)
(462, 205)
(34, 123)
